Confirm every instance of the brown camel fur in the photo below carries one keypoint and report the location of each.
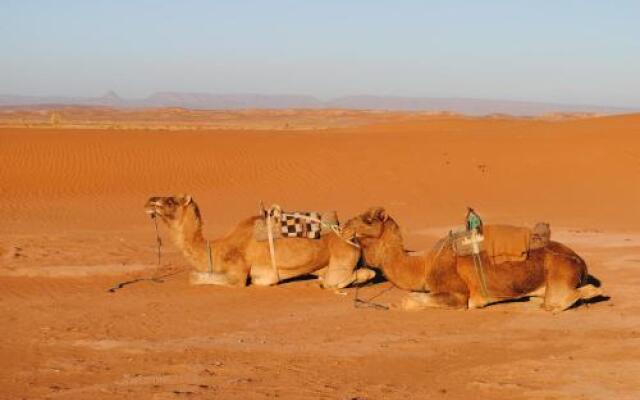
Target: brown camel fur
(238, 255)
(554, 272)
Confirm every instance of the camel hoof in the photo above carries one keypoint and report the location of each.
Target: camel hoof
(476, 303)
(552, 310)
(364, 275)
(414, 302)
(199, 278)
(536, 300)
(204, 278)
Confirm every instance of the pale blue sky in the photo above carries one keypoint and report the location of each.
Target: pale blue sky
(565, 51)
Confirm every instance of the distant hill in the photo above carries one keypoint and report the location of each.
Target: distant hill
(468, 106)
(209, 101)
(230, 101)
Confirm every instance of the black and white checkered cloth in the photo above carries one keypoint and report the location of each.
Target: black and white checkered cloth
(301, 225)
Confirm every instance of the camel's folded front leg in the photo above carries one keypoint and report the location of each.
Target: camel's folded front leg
(420, 301)
(336, 278)
(264, 275)
(214, 278)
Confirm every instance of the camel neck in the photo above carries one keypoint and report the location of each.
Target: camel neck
(404, 271)
(188, 237)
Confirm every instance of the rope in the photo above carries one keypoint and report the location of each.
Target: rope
(272, 246)
(275, 212)
(368, 303)
(210, 258)
(156, 279)
(158, 239)
(443, 242)
(335, 228)
(477, 262)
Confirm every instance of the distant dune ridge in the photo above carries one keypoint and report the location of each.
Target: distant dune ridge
(210, 101)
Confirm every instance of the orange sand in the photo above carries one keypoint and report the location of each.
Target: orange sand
(72, 225)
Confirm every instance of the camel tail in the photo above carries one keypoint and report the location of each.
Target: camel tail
(590, 286)
(589, 292)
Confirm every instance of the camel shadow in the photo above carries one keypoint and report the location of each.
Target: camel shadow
(378, 279)
(301, 278)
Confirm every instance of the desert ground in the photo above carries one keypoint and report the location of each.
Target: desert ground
(72, 190)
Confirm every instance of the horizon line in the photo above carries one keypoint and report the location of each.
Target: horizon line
(321, 99)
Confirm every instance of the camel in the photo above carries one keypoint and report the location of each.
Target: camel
(441, 279)
(230, 260)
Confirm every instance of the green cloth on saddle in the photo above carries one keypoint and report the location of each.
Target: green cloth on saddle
(473, 221)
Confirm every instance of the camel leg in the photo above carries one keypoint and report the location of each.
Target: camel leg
(537, 296)
(320, 272)
(563, 275)
(468, 272)
(363, 275)
(263, 276)
(341, 271)
(335, 278)
(419, 301)
(589, 291)
(213, 278)
(477, 300)
(360, 275)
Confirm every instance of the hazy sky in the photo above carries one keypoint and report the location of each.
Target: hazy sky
(557, 50)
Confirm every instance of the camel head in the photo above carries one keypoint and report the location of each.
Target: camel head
(175, 211)
(371, 229)
(368, 225)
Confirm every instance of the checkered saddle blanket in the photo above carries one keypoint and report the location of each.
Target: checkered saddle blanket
(299, 224)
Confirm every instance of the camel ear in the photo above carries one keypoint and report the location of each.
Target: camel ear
(377, 213)
(382, 214)
(186, 200)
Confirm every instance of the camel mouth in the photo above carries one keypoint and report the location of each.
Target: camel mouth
(152, 208)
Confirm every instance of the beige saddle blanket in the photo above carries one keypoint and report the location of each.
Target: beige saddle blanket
(504, 243)
(296, 224)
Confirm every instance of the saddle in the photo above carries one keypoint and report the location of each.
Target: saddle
(294, 224)
(502, 243)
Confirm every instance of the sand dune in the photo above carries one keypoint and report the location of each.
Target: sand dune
(71, 209)
(572, 173)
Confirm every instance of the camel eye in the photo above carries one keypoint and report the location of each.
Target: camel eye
(170, 202)
(367, 221)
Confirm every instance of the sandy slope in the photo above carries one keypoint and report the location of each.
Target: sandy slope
(72, 224)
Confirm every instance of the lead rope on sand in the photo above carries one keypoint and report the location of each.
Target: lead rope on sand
(368, 303)
(157, 278)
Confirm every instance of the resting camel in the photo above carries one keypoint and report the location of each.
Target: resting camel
(443, 280)
(238, 255)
